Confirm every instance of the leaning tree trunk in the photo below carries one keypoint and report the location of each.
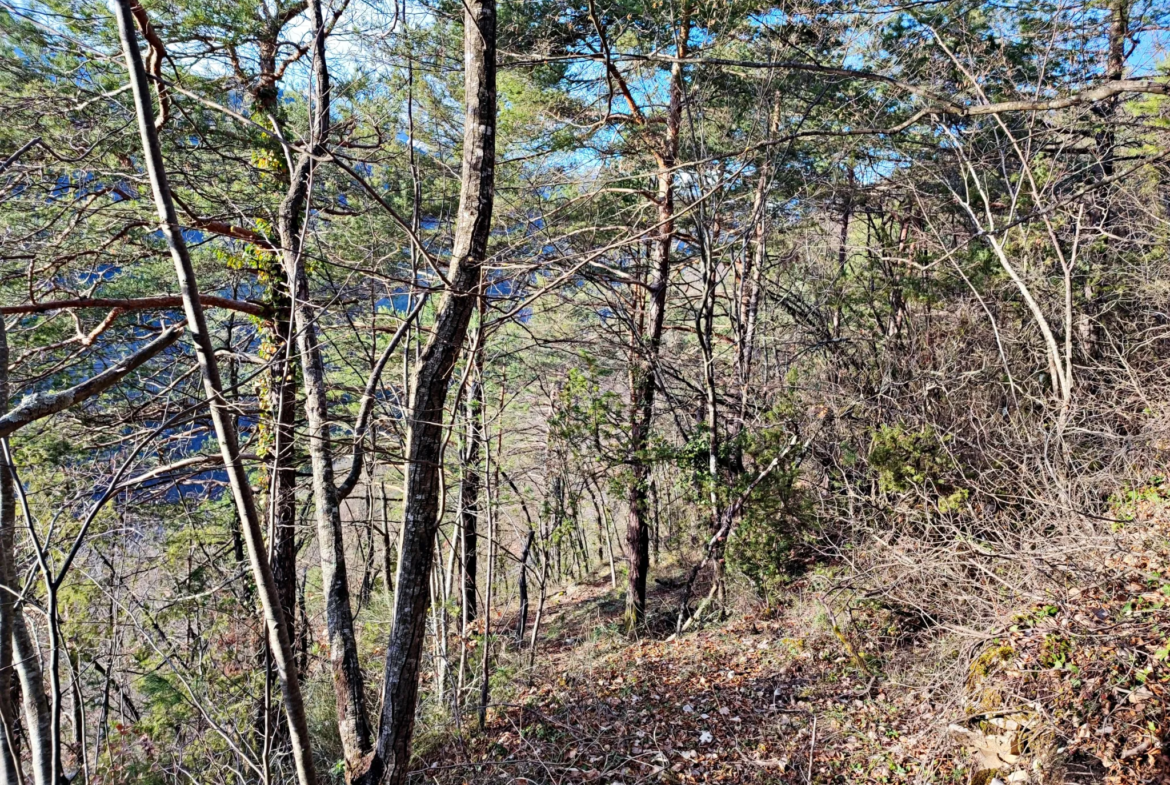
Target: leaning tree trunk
(220, 415)
(428, 394)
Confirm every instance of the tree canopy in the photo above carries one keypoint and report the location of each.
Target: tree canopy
(338, 339)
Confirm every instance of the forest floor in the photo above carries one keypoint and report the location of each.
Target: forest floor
(751, 699)
(1076, 690)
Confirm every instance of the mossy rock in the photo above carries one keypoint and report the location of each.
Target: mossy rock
(985, 697)
(984, 777)
(990, 662)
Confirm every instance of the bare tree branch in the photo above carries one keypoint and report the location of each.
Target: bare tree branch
(41, 405)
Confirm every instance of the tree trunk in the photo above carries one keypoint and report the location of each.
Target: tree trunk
(644, 353)
(282, 503)
(749, 293)
(10, 773)
(282, 394)
(388, 555)
(37, 717)
(522, 622)
(1089, 331)
(428, 394)
(283, 499)
(705, 326)
(469, 492)
(539, 604)
(485, 684)
(220, 416)
(348, 683)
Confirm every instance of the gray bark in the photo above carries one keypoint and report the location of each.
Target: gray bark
(348, 684)
(37, 717)
(469, 500)
(221, 417)
(428, 395)
(10, 773)
(522, 587)
(485, 665)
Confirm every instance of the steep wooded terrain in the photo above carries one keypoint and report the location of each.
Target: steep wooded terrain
(554, 391)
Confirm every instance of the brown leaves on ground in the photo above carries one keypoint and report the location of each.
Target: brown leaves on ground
(1071, 691)
(753, 701)
(1088, 675)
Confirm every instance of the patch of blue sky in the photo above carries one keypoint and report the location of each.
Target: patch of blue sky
(103, 272)
(1151, 56)
(499, 289)
(400, 301)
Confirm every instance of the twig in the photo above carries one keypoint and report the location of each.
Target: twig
(812, 748)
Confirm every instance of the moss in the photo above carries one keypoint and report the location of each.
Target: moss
(991, 661)
(985, 697)
(984, 777)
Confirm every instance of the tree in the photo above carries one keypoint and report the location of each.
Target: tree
(428, 392)
(224, 427)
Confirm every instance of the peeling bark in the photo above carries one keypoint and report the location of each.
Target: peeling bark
(645, 347)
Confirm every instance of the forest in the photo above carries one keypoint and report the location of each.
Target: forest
(570, 391)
